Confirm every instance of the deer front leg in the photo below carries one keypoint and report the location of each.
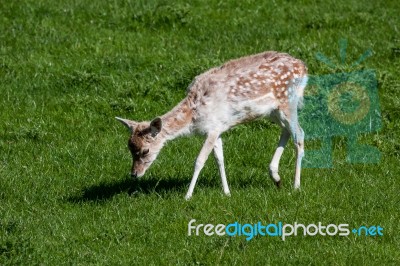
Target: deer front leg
(219, 157)
(201, 159)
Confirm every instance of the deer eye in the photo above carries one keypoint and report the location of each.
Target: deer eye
(146, 151)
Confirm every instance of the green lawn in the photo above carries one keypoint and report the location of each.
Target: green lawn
(67, 68)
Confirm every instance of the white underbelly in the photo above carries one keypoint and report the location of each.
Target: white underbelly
(220, 116)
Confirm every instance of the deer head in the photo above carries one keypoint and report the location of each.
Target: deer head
(144, 143)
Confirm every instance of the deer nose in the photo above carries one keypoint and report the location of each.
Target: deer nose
(134, 174)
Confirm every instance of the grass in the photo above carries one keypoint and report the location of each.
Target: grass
(68, 67)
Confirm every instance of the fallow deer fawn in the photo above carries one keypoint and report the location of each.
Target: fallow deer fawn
(268, 84)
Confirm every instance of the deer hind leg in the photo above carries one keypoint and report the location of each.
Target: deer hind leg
(201, 159)
(274, 165)
(293, 128)
(288, 119)
(298, 139)
(219, 157)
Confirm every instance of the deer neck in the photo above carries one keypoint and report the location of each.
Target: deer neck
(178, 121)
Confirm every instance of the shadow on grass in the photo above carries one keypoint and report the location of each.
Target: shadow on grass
(106, 190)
(153, 185)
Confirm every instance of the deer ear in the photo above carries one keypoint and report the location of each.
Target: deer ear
(126, 122)
(155, 126)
